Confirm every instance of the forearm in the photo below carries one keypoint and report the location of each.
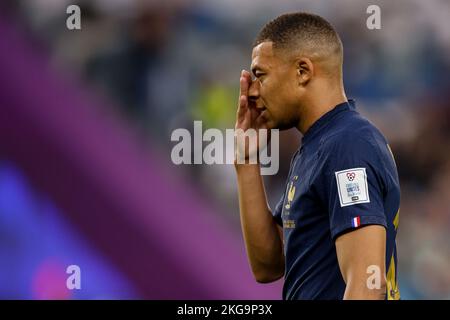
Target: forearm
(262, 239)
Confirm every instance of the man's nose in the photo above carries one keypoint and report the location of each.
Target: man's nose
(253, 91)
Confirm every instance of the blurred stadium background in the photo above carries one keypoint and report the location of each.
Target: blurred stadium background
(85, 124)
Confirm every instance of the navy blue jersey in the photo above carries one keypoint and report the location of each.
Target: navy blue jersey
(343, 177)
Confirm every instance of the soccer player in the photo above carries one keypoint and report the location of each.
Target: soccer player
(332, 234)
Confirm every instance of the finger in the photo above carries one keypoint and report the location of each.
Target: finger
(247, 119)
(242, 106)
(248, 78)
(244, 84)
(243, 95)
(255, 114)
(246, 75)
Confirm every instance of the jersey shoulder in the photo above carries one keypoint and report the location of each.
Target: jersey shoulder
(354, 139)
(352, 128)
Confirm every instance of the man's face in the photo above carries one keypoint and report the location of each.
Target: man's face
(274, 88)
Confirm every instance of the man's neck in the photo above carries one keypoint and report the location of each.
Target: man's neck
(317, 108)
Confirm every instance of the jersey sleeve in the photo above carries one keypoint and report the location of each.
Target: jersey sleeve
(353, 185)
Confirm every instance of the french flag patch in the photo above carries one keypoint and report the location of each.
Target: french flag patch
(356, 222)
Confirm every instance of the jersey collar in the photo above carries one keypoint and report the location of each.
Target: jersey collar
(326, 118)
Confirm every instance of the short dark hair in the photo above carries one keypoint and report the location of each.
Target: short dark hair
(301, 29)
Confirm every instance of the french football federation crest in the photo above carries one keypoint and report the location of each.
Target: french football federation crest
(291, 194)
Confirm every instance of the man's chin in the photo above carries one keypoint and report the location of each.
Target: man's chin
(270, 124)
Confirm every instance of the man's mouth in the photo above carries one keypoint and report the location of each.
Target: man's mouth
(261, 110)
(263, 113)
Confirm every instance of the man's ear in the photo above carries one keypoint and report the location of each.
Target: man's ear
(305, 71)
